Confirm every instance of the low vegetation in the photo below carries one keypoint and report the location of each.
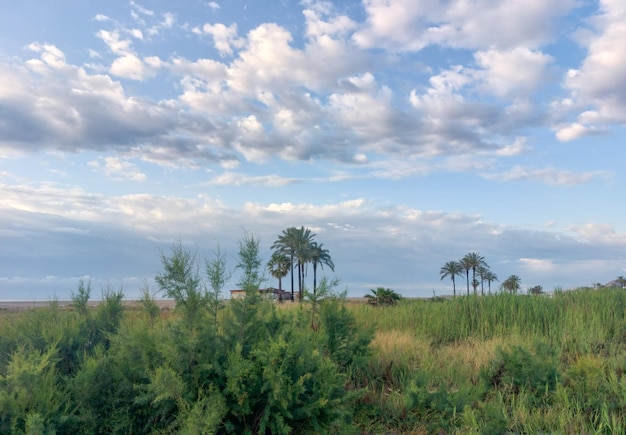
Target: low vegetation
(498, 363)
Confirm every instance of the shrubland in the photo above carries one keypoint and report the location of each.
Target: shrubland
(502, 363)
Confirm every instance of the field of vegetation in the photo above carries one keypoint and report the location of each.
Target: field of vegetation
(493, 364)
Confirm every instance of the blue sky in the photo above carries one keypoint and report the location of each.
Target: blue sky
(404, 133)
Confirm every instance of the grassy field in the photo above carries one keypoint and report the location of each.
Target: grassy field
(475, 364)
(499, 364)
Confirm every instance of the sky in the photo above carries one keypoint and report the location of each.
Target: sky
(403, 133)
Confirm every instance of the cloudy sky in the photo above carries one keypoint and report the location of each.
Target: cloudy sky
(404, 133)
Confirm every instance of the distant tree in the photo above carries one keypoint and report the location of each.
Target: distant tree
(474, 261)
(296, 242)
(217, 276)
(535, 290)
(180, 281)
(512, 284)
(285, 244)
(482, 272)
(250, 263)
(80, 298)
(149, 304)
(621, 281)
(278, 266)
(382, 297)
(451, 269)
(466, 268)
(490, 277)
(319, 256)
(303, 244)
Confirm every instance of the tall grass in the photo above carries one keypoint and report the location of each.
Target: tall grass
(593, 316)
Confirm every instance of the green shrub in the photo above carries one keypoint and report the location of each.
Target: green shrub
(519, 369)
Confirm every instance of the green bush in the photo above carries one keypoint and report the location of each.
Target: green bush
(518, 369)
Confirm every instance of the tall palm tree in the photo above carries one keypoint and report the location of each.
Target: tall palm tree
(285, 244)
(302, 253)
(466, 267)
(319, 256)
(278, 266)
(512, 283)
(451, 269)
(473, 260)
(296, 242)
(482, 273)
(490, 277)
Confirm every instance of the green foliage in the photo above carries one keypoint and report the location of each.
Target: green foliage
(31, 396)
(342, 339)
(81, 297)
(325, 293)
(512, 284)
(180, 281)
(149, 305)
(250, 264)
(504, 363)
(382, 296)
(217, 276)
(519, 369)
(436, 405)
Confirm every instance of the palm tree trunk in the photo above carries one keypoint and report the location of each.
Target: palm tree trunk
(474, 280)
(453, 287)
(300, 281)
(292, 298)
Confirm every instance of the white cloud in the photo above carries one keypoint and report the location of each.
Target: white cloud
(598, 85)
(538, 265)
(515, 72)
(546, 175)
(406, 25)
(72, 109)
(320, 22)
(136, 33)
(137, 7)
(131, 67)
(225, 38)
(238, 179)
(597, 232)
(368, 241)
(576, 130)
(114, 42)
(119, 169)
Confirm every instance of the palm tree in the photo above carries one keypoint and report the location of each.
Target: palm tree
(490, 277)
(383, 296)
(451, 269)
(284, 244)
(466, 267)
(473, 261)
(319, 255)
(278, 266)
(482, 274)
(512, 283)
(303, 242)
(296, 242)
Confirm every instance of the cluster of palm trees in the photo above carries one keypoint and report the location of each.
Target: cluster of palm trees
(296, 247)
(475, 263)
